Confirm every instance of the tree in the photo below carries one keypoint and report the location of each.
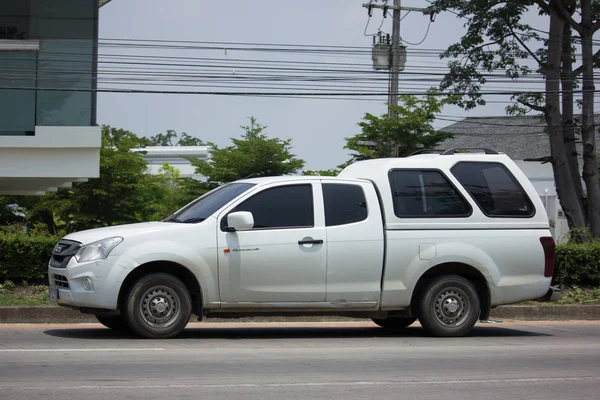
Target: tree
(254, 155)
(182, 190)
(496, 39)
(187, 140)
(166, 139)
(124, 192)
(410, 130)
(321, 172)
(10, 211)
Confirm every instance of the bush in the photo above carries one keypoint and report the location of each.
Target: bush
(577, 264)
(25, 256)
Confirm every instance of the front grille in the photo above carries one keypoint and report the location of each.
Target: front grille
(62, 253)
(61, 281)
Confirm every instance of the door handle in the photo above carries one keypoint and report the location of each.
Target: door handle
(311, 241)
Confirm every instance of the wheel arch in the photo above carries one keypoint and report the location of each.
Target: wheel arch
(167, 267)
(456, 268)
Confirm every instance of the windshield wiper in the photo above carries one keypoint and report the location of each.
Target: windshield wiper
(173, 219)
(192, 220)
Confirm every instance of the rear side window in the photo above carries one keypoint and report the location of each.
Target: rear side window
(426, 194)
(494, 188)
(344, 204)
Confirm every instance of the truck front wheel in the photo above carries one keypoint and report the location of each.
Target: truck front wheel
(449, 306)
(158, 306)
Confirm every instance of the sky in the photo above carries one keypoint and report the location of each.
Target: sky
(317, 127)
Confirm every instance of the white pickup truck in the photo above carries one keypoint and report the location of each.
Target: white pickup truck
(442, 238)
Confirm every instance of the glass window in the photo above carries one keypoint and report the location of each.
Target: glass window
(15, 21)
(17, 71)
(209, 204)
(67, 30)
(495, 190)
(17, 105)
(64, 66)
(281, 207)
(344, 204)
(425, 194)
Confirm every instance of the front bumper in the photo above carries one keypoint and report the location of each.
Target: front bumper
(93, 284)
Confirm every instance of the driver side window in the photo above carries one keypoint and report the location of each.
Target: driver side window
(280, 207)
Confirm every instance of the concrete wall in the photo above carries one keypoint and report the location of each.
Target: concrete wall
(54, 157)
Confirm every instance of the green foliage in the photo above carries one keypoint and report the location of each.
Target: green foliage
(6, 286)
(579, 295)
(254, 155)
(181, 190)
(578, 264)
(25, 295)
(24, 256)
(124, 192)
(496, 40)
(410, 129)
(10, 211)
(166, 139)
(321, 172)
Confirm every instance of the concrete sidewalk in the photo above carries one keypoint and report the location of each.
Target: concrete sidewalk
(60, 315)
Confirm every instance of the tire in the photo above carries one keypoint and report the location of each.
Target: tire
(114, 322)
(394, 323)
(449, 306)
(158, 306)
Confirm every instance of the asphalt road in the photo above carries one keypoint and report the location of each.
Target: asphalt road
(302, 361)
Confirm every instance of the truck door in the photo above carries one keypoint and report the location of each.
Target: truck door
(355, 243)
(281, 259)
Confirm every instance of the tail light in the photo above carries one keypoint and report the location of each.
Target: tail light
(549, 247)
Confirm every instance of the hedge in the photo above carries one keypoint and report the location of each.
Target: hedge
(26, 258)
(577, 264)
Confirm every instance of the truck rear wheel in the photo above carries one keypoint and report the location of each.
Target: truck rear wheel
(394, 323)
(449, 306)
(158, 306)
(114, 322)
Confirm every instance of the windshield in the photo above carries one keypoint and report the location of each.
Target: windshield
(207, 205)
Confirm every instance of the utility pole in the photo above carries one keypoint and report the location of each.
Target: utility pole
(397, 56)
(395, 63)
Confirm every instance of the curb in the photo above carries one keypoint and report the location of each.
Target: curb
(60, 315)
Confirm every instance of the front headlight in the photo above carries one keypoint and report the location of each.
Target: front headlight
(97, 250)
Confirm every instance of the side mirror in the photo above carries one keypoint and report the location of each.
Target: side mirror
(240, 221)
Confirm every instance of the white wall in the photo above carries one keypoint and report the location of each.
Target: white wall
(156, 156)
(54, 157)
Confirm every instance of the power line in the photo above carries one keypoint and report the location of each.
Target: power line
(232, 93)
(422, 40)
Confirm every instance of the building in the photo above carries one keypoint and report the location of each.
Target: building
(523, 139)
(157, 156)
(48, 68)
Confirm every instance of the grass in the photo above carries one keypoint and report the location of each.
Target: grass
(579, 295)
(24, 295)
(37, 295)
